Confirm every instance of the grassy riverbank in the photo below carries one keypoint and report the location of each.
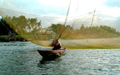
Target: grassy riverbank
(104, 43)
(107, 43)
(99, 43)
(4, 38)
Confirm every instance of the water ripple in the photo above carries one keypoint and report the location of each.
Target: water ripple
(22, 58)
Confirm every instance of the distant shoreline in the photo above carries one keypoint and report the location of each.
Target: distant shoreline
(6, 39)
(102, 43)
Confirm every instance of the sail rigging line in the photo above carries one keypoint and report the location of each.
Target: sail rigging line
(11, 22)
(75, 14)
(57, 38)
(14, 26)
(2, 22)
(34, 37)
(93, 17)
(75, 17)
(5, 21)
(5, 26)
(65, 20)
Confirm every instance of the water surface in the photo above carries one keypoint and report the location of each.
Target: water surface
(22, 58)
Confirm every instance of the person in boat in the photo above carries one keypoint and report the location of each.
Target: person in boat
(57, 45)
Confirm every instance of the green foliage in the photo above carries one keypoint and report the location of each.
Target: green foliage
(99, 32)
(85, 32)
(57, 28)
(22, 25)
(108, 28)
(30, 26)
(5, 38)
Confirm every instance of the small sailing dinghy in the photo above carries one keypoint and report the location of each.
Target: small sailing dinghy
(49, 54)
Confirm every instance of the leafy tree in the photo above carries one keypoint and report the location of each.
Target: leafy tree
(22, 25)
(108, 28)
(57, 28)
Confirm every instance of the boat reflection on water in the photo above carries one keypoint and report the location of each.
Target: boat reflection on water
(48, 63)
(44, 60)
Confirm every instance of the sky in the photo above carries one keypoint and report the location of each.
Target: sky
(107, 12)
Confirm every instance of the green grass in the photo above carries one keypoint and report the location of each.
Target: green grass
(92, 47)
(104, 43)
(5, 37)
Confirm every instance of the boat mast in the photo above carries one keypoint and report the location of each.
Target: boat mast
(65, 18)
(93, 17)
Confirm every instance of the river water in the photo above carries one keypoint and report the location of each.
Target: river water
(22, 58)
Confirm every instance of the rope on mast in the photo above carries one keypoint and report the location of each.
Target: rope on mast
(65, 18)
(93, 17)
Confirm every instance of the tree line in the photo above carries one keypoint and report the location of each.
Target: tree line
(23, 25)
(101, 31)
